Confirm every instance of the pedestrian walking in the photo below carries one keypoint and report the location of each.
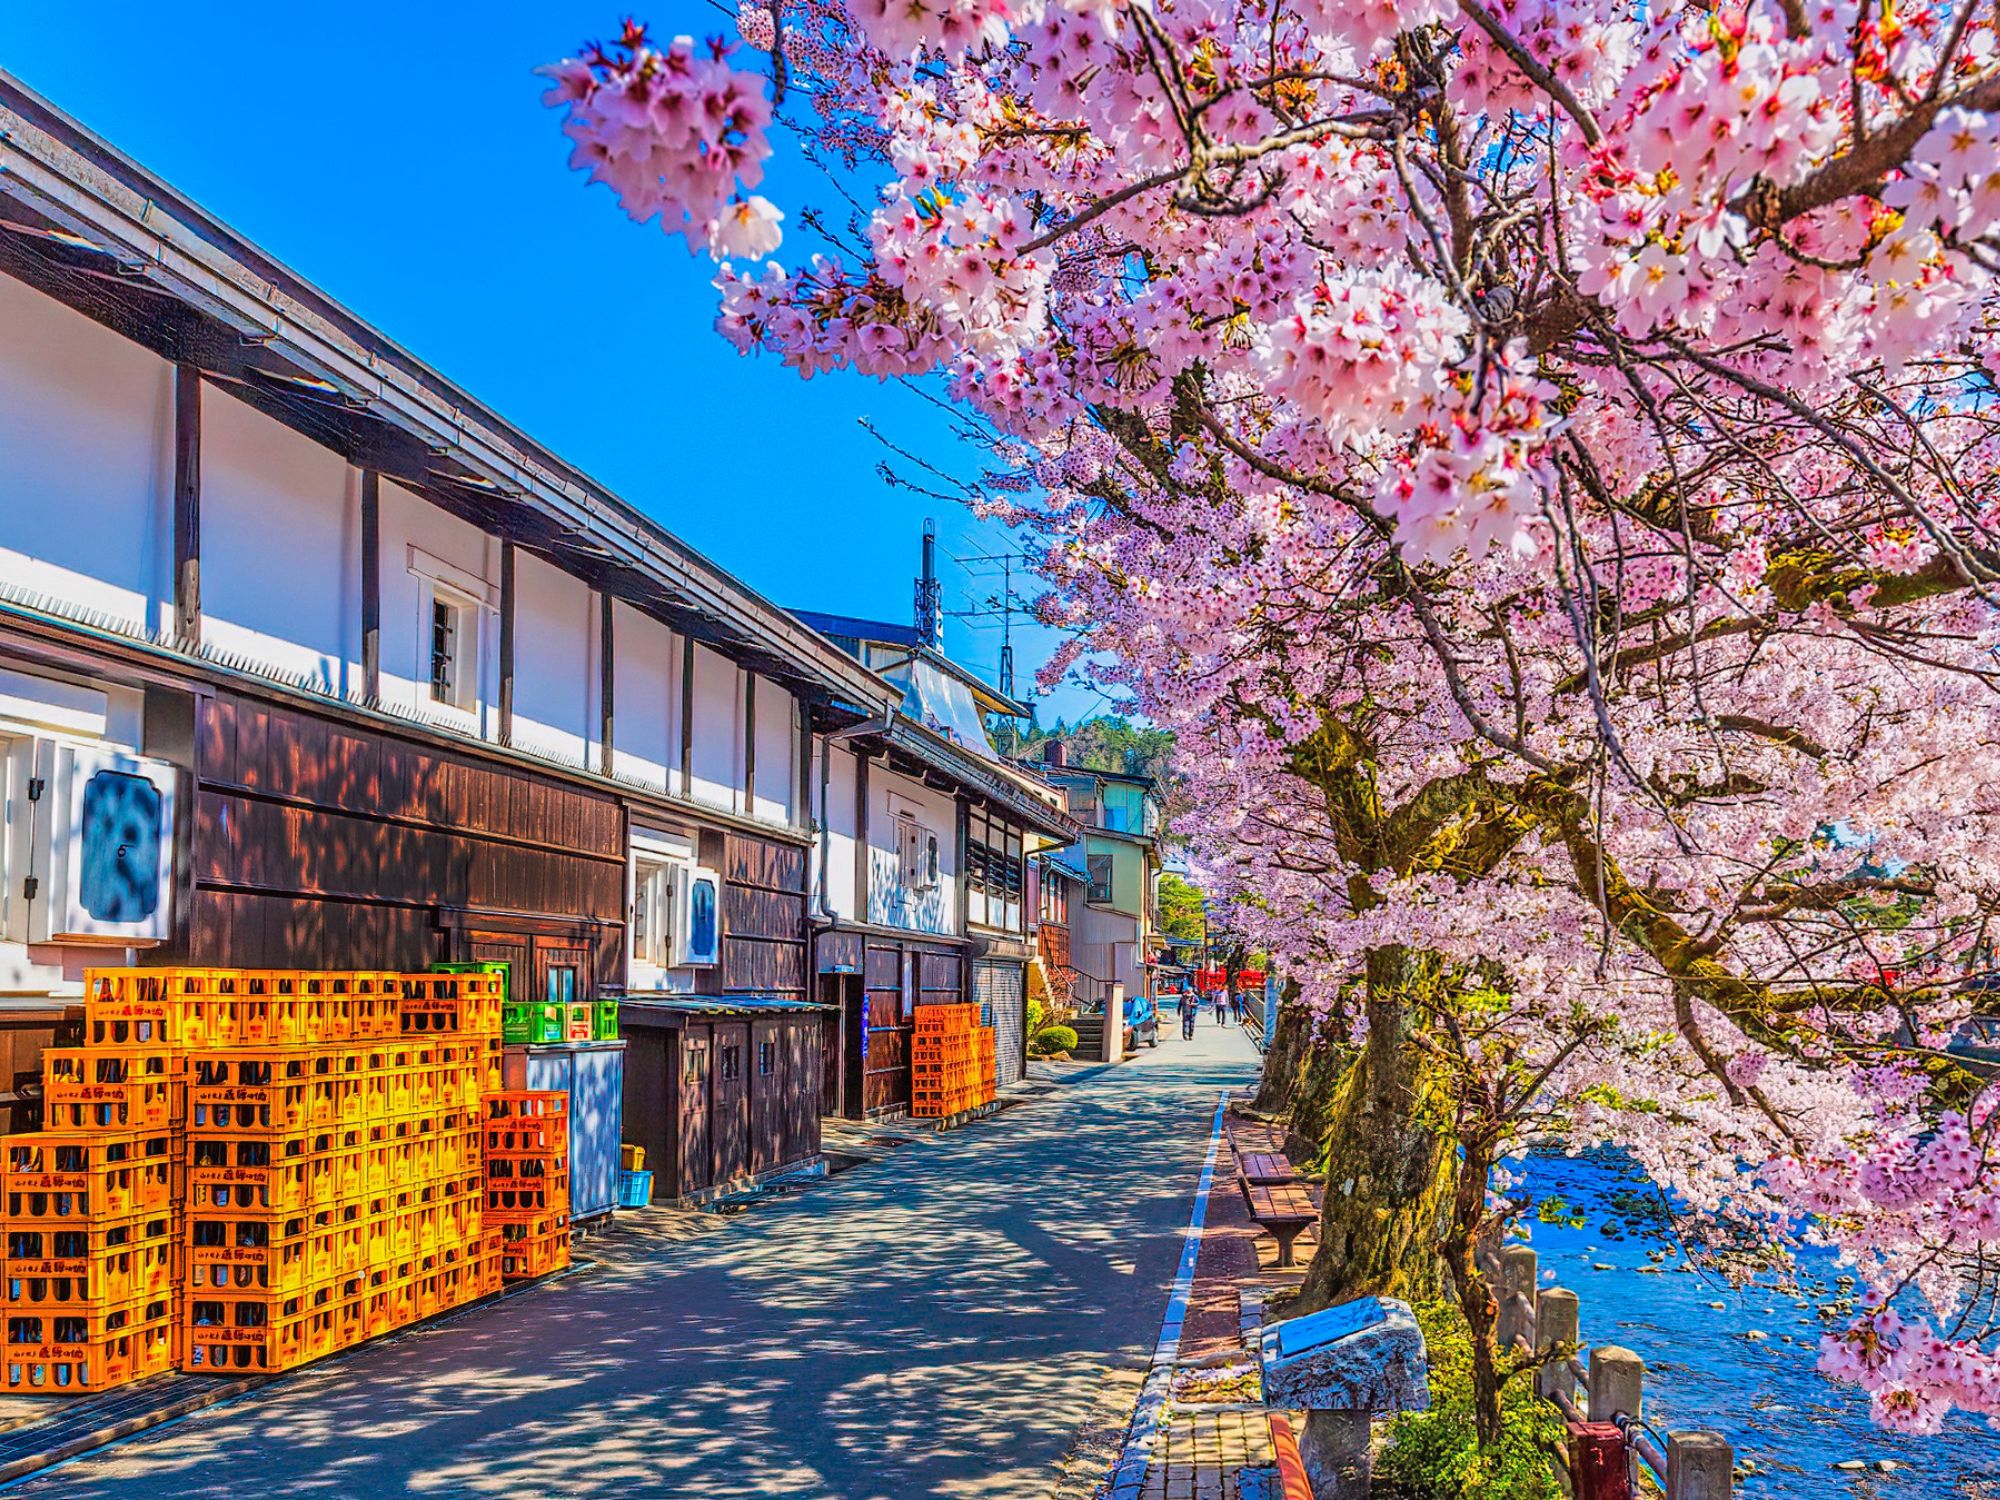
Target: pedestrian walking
(1236, 1006)
(1221, 1009)
(1187, 1015)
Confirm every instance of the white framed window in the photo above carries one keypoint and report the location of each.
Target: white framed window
(917, 854)
(452, 642)
(653, 912)
(660, 861)
(452, 606)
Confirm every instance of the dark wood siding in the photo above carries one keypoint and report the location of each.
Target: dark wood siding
(319, 845)
(729, 1095)
(763, 918)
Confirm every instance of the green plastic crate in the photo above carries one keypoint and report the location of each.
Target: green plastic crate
(604, 1020)
(479, 966)
(528, 1022)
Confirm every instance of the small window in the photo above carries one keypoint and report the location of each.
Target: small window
(732, 1064)
(454, 648)
(653, 913)
(697, 1063)
(561, 984)
(1100, 879)
(767, 1058)
(916, 853)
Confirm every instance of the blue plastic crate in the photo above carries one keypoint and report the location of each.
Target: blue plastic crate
(635, 1189)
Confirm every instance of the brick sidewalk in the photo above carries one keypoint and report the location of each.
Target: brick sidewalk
(1213, 1440)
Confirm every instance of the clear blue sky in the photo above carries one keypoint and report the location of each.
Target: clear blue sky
(398, 156)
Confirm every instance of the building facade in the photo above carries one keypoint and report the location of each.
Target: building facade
(922, 869)
(1113, 930)
(307, 659)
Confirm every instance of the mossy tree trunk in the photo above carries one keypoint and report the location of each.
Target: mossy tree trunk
(1476, 1298)
(1286, 1055)
(1391, 1158)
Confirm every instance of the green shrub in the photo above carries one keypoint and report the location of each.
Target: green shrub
(1435, 1455)
(1052, 1039)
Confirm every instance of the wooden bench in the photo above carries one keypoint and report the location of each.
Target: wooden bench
(1267, 1167)
(1292, 1481)
(1282, 1209)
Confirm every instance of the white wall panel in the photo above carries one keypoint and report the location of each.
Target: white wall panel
(86, 461)
(645, 734)
(893, 901)
(718, 730)
(280, 546)
(777, 753)
(838, 817)
(555, 687)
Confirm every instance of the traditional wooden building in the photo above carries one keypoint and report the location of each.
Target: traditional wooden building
(309, 659)
(921, 875)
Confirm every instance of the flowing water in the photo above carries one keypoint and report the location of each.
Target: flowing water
(1704, 1370)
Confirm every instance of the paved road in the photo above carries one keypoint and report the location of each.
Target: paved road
(935, 1324)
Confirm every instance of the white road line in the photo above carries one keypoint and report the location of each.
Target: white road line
(1148, 1417)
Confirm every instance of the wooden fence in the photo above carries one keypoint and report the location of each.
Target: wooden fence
(1545, 1322)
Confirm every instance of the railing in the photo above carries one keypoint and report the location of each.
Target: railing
(1690, 1465)
(1253, 1023)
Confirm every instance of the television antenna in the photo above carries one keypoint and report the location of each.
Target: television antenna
(994, 571)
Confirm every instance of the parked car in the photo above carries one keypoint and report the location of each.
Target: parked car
(1142, 1021)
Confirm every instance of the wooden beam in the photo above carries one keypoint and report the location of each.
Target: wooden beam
(861, 861)
(607, 667)
(506, 643)
(687, 716)
(371, 585)
(749, 744)
(187, 502)
(802, 809)
(964, 820)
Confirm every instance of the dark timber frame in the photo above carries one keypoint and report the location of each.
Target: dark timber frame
(187, 502)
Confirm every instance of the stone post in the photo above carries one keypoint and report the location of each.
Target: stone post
(1114, 1024)
(1516, 1292)
(1556, 1323)
(1700, 1466)
(1617, 1377)
(1339, 1464)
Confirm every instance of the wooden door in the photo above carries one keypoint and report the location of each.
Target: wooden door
(730, 1089)
(804, 1074)
(768, 1093)
(695, 1153)
(831, 991)
(509, 949)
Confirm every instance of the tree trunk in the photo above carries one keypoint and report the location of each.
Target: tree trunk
(1391, 1158)
(1476, 1297)
(1286, 1056)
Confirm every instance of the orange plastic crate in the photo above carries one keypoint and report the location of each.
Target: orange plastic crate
(68, 1352)
(107, 1088)
(71, 1175)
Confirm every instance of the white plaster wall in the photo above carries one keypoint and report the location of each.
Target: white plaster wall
(777, 753)
(890, 902)
(718, 730)
(555, 686)
(86, 462)
(417, 535)
(646, 735)
(280, 546)
(838, 817)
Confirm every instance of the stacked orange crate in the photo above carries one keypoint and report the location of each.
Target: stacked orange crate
(334, 1164)
(88, 1223)
(89, 1200)
(943, 1060)
(527, 1181)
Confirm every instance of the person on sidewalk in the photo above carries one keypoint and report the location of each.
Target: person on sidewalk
(1221, 1008)
(1187, 1015)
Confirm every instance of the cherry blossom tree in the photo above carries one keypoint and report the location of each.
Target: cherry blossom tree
(1539, 458)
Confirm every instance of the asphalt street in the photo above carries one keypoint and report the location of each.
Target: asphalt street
(933, 1324)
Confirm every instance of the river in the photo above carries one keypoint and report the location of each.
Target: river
(1702, 1370)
